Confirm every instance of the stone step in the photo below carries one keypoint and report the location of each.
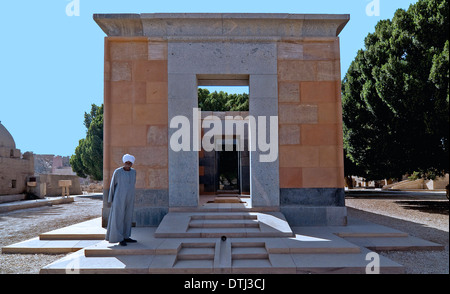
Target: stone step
(37, 246)
(105, 249)
(88, 230)
(216, 225)
(196, 251)
(247, 250)
(224, 207)
(163, 264)
(252, 266)
(205, 266)
(78, 263)
(72, 236)
(249, 253)
(196, 254)
(224, 223)
(225, 199)
(309, 250)
(224, 216)
(227, 232)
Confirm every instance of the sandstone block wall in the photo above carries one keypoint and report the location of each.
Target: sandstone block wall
(310, 132)
(14, 171)
(17, 170)
(136, 116)
(309, 109)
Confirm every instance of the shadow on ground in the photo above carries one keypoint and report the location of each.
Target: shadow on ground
(401, 195)
(433, 207)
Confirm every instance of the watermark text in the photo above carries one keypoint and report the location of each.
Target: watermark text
(262, 134)
(73, 8)
(373, 8)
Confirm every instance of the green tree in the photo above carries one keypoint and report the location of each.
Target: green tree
(395, 96)
(88, 157)
(222, 101)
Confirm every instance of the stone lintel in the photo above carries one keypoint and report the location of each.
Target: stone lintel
(222, 25)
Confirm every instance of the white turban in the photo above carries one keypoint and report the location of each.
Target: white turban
(128, 157)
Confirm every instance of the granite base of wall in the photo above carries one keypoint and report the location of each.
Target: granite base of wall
(149, 216)
(150, 207)
(314, 206)
(298, 216)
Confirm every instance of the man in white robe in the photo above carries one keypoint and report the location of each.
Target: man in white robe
(121, 195)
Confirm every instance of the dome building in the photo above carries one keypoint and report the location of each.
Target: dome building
(6, 140)
(15, 167)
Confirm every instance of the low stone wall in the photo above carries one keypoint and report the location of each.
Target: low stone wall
(47, 185)
(11, 198)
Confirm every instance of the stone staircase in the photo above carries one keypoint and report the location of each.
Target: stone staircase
(195, 254)
(200, 242)
(228, 224)
(251, 254)
(224, 221)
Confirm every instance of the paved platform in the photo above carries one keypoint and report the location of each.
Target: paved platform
(191, 242)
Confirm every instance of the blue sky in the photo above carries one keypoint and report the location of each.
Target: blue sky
(51, 64)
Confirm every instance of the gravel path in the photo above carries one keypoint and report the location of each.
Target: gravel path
(424, 215)
(21, 225)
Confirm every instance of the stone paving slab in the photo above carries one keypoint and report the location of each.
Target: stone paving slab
(322, 242)
(399, 244)
(355, 263)
(307, 250)
(37, 246)
(78, 263)
(360, 228)
(88, 230)
(64, 240)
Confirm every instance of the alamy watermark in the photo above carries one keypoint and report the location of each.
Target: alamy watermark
(73, 8)
(373, 267)
(262, 134)
(373, 8)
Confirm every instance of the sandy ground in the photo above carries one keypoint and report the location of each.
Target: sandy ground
(424, 215)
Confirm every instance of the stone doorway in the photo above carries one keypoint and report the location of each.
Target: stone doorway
(225, 171)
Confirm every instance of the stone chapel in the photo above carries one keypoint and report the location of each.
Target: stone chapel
(153, 66)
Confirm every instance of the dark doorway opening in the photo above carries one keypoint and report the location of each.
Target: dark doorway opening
(228, 177)
(223, 171)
